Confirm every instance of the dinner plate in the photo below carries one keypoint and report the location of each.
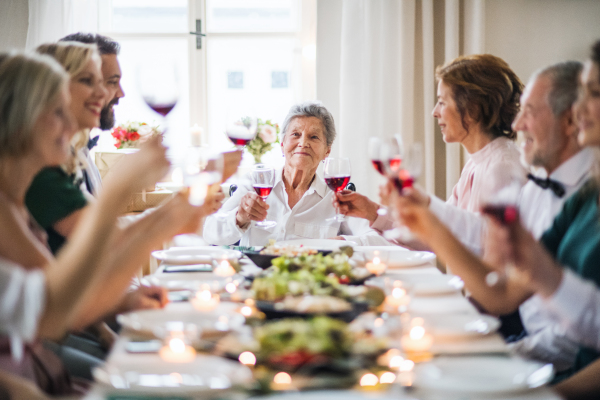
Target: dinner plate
(424, 285)
(193, 255)
(398, 257)
(481, 375)
(462, 325)
(182, 316)
(319, 244)
(189, 280)
(205, 376)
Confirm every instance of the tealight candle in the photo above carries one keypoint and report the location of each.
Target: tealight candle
(196, 135)
(417, 340)
(224, 268)
(176, 351)
(248, 359)
(376, 267)
(282, 381)
(398, 300)
(205, 300)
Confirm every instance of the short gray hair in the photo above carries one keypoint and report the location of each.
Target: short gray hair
(565, 78)
(29, 83)
(311, 109)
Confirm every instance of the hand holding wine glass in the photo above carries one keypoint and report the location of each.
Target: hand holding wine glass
(499, 200)
(337, 176)
(263, 179)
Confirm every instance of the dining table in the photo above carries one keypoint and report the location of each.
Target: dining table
(487, 352)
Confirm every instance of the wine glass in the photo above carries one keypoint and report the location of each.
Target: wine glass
(241, 128)
(263, 179)
(374, 148)
(404, 177)
(337, 176)
(203, 170)
(499, 199)
(158, 85)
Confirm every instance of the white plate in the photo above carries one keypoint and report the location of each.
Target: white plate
(481, 375)
(188, 280)
(399, 257)
(193, 255)
(424, 285)
(177, 316)
(462, 325)
(206, 375)
(319, 244)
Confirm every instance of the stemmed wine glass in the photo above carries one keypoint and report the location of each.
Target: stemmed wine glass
(203, 170)
(337, 176)
(499, 199)
(240, 128)
(404, 177)
(386, 153)
(263, 179)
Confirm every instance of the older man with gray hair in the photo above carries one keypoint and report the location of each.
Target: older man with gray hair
(300, 202)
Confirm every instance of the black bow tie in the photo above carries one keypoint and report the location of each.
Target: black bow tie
(93, 142)
(547, 183)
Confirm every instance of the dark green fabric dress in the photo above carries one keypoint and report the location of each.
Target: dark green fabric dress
(574, 241)
(52, 196)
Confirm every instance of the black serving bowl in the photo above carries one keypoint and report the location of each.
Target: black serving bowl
(264, 260)
(271, 312)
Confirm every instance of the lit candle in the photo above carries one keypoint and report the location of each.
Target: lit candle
(376, 267)
(282, 381)
(417, 340)
(224, 268)
(177, 351)
(398, 300)
(205, 300)
(387, 377)
(369, 380)
(248, 359)
(196, 135)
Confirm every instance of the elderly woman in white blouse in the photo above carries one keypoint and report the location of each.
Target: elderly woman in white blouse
(300, 202)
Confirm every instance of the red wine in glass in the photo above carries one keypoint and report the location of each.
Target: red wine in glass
(337, 183)
(505, 214)
(240, 142)
(395, 163)
(402, 180)
(162, 109)
(263, 190)
(378, 164)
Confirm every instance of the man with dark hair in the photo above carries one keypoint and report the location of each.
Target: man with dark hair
(111, 71)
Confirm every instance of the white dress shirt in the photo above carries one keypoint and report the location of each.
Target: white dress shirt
(22, 300)
(576, 306)
(308, 219)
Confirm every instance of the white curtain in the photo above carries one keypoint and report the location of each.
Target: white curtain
(50, 20)
(375, 71)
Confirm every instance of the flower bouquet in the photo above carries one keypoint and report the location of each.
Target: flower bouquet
(132, 134)
(268, 134)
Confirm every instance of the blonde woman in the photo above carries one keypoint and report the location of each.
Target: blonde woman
(91, 273)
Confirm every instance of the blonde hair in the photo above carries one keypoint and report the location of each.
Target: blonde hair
(73, 56)
(29, 83)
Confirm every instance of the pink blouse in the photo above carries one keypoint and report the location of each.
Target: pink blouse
(467, 191)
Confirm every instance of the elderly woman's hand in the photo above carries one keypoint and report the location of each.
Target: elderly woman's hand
(252, 208)
(356, 205)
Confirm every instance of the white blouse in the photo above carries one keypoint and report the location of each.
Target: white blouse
(308, 219)
(22, 299)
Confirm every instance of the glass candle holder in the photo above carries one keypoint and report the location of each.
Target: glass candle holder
(205, 299)
(376, 261)
(176, 348)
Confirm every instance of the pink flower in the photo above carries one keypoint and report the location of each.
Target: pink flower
(268, 134)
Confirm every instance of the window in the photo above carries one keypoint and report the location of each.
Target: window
(254, 57)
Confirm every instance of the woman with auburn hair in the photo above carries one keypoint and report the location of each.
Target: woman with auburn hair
(478, 99)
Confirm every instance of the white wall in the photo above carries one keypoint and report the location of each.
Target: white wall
(530, 34)
(14, 20)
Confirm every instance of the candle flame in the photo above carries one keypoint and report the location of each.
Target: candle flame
(396, 362)
(406, 366)
(247, 358)
(369, 380)
(398, 292)
(378, 322)
(282, 378)
(417, 332)
(246, 311)
(230, 287)
(204, 295)
(387, 377)
(177, 345)
(376, 260)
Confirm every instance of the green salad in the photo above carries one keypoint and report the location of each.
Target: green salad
(313, 275)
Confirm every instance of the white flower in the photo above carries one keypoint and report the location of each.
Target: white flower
(145, 130)
(268, 134)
